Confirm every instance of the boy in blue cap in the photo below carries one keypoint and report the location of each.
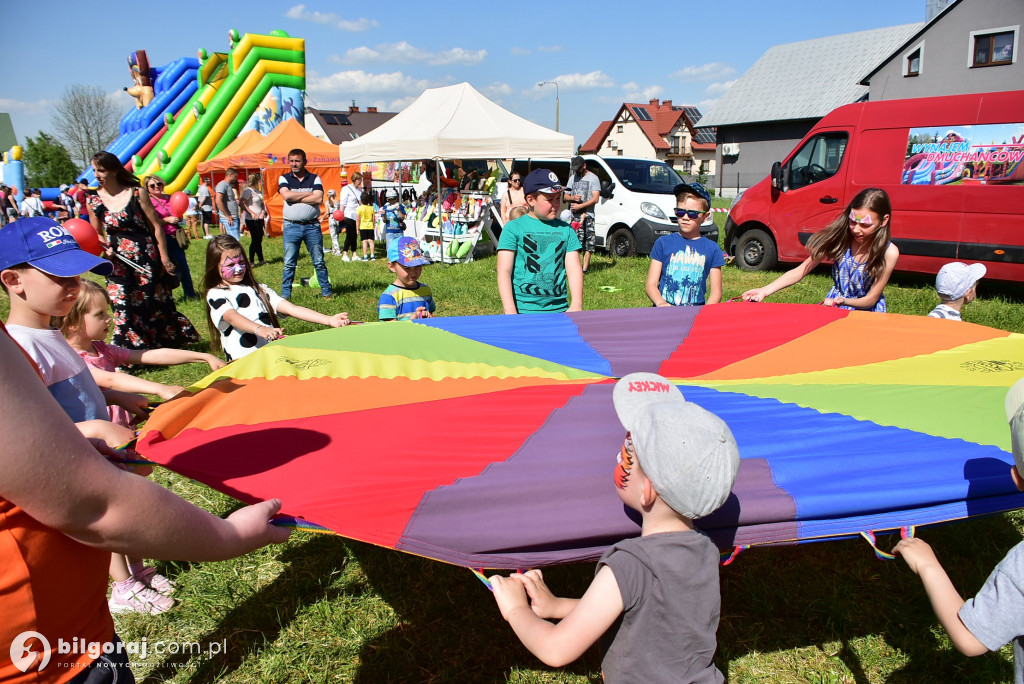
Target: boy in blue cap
(406, 298)
(40, 269)
(685, 264)
(537, 254)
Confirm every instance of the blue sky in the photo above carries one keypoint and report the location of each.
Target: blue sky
(385, 54)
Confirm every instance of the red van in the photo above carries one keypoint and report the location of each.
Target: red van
(953, 167)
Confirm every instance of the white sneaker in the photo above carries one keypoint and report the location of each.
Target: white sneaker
(155, 581)
(138, 598)
(345, 258)
(336, 252)
(207, 237)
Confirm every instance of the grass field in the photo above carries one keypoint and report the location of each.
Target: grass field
(326, 609)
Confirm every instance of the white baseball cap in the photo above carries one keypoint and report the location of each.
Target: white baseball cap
(687, 452)
(956, 278)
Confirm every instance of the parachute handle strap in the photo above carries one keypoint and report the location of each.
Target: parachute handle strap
(906, 532)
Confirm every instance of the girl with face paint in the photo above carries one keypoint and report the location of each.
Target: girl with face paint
(242, 313)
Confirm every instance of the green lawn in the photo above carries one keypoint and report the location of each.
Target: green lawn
(323, 608)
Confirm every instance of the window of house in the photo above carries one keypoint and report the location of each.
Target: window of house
(620, 153)
(609, 142)
(913, 63)
(993, 47)
(687, 166)
(674, 146)
(618, 129)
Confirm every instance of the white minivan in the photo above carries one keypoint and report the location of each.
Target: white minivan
(637, 205)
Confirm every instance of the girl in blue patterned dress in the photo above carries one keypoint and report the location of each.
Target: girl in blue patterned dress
(859, 245)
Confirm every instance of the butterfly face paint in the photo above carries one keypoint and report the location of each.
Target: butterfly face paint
(232, 268)
(626, 458)
(861, 218)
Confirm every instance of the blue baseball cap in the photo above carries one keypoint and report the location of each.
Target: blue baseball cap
(696, 188)
(407, 252)
(542, 180)
(48, 246)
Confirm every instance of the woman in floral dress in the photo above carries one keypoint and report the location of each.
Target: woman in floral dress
(141, 292)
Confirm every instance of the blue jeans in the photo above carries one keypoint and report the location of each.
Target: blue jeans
(177, 255)
(294, 235)
(231, 227)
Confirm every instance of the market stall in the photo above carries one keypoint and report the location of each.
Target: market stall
(456, 122)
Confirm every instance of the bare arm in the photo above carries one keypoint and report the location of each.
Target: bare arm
(558, 645)
(240, 322)
(155, 222)
(574, 274)
(945, 599)
(651, 286)
(506, 262)
(595, 197)
(790, 277)
(892, 255)
(714, 286)
(172, 357)
(126, 382)
(60, 479)
(304, 314)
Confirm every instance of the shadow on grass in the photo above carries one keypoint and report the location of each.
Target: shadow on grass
(450, 627)
(255, 623)
(838, 597)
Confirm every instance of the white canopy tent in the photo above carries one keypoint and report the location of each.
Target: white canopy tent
(456, 122)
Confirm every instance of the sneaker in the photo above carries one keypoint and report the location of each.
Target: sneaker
(155, 581)
(207, 237)
(366, 257)
(336, 252)
(345, 258)
(137, 598)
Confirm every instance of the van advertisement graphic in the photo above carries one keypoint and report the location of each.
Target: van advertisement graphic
(988, 154)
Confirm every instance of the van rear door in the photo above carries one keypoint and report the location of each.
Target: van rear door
(815, 180)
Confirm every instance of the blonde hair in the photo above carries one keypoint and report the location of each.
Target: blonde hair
(86, 297)
(517, 211)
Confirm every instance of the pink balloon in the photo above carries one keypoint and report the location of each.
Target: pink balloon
(85, 235)
(339, 214)
(179, 203)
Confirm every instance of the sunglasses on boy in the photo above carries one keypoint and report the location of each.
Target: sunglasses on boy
(689, 213)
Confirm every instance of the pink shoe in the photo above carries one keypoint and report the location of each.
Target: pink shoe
(136, 597)
(155, 581)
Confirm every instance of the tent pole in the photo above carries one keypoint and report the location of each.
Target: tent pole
(440, 223)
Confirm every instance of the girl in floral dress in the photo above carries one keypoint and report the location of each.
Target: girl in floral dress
(141, 292)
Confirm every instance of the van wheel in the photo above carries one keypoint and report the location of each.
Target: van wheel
(622, 243)
(756, 251)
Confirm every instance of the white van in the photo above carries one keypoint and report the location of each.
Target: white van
(637, 205)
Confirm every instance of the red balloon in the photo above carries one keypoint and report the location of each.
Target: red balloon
(179, 203)
(85, 235)
(339, 214)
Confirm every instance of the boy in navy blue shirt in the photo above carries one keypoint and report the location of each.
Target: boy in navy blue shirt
(685, 263)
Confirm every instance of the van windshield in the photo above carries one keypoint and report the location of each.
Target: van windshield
(645, 175)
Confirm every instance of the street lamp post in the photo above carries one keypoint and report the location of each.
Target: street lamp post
(554, 83)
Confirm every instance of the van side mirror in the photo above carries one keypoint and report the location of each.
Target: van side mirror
(606, 189)
(777, 176)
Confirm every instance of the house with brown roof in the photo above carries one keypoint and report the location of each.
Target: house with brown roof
(657, 130)
(338, 126)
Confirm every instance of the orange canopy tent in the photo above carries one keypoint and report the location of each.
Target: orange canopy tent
(268, 156)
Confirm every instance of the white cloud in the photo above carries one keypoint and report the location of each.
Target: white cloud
(713, 71)
(549, 48)
(299, 12)
(404, 53)
(497, 90)
(633, 92)
(589, 81)
(401, 103)
(518, 51)
(20, 107)
(355, 82)
(719, 88)
(705, 105)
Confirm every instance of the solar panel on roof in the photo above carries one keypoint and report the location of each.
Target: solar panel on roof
(641, 114)
(337, 119)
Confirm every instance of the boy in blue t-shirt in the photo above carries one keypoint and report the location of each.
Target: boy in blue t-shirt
(684, 263)
(538, 268)
(394, 216)
(406, 298)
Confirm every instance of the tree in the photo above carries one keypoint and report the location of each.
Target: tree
(86, 122)
(47, 162)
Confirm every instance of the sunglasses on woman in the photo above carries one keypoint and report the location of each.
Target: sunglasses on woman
(156, 186)
(516, 180)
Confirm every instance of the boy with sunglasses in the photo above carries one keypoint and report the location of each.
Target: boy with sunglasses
(685, 263)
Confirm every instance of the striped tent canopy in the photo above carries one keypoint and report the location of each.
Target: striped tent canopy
(489, 441)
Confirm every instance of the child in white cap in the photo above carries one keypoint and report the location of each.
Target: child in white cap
(995, 616)
(677, 463)
(957, 285)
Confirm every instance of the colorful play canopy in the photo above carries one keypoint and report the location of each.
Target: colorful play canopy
(489, 441)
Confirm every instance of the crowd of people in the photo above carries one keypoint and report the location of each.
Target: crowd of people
(678, 462)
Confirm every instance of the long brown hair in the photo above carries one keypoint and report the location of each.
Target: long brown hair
(109, 162)
(212, 279)
(833, 240)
